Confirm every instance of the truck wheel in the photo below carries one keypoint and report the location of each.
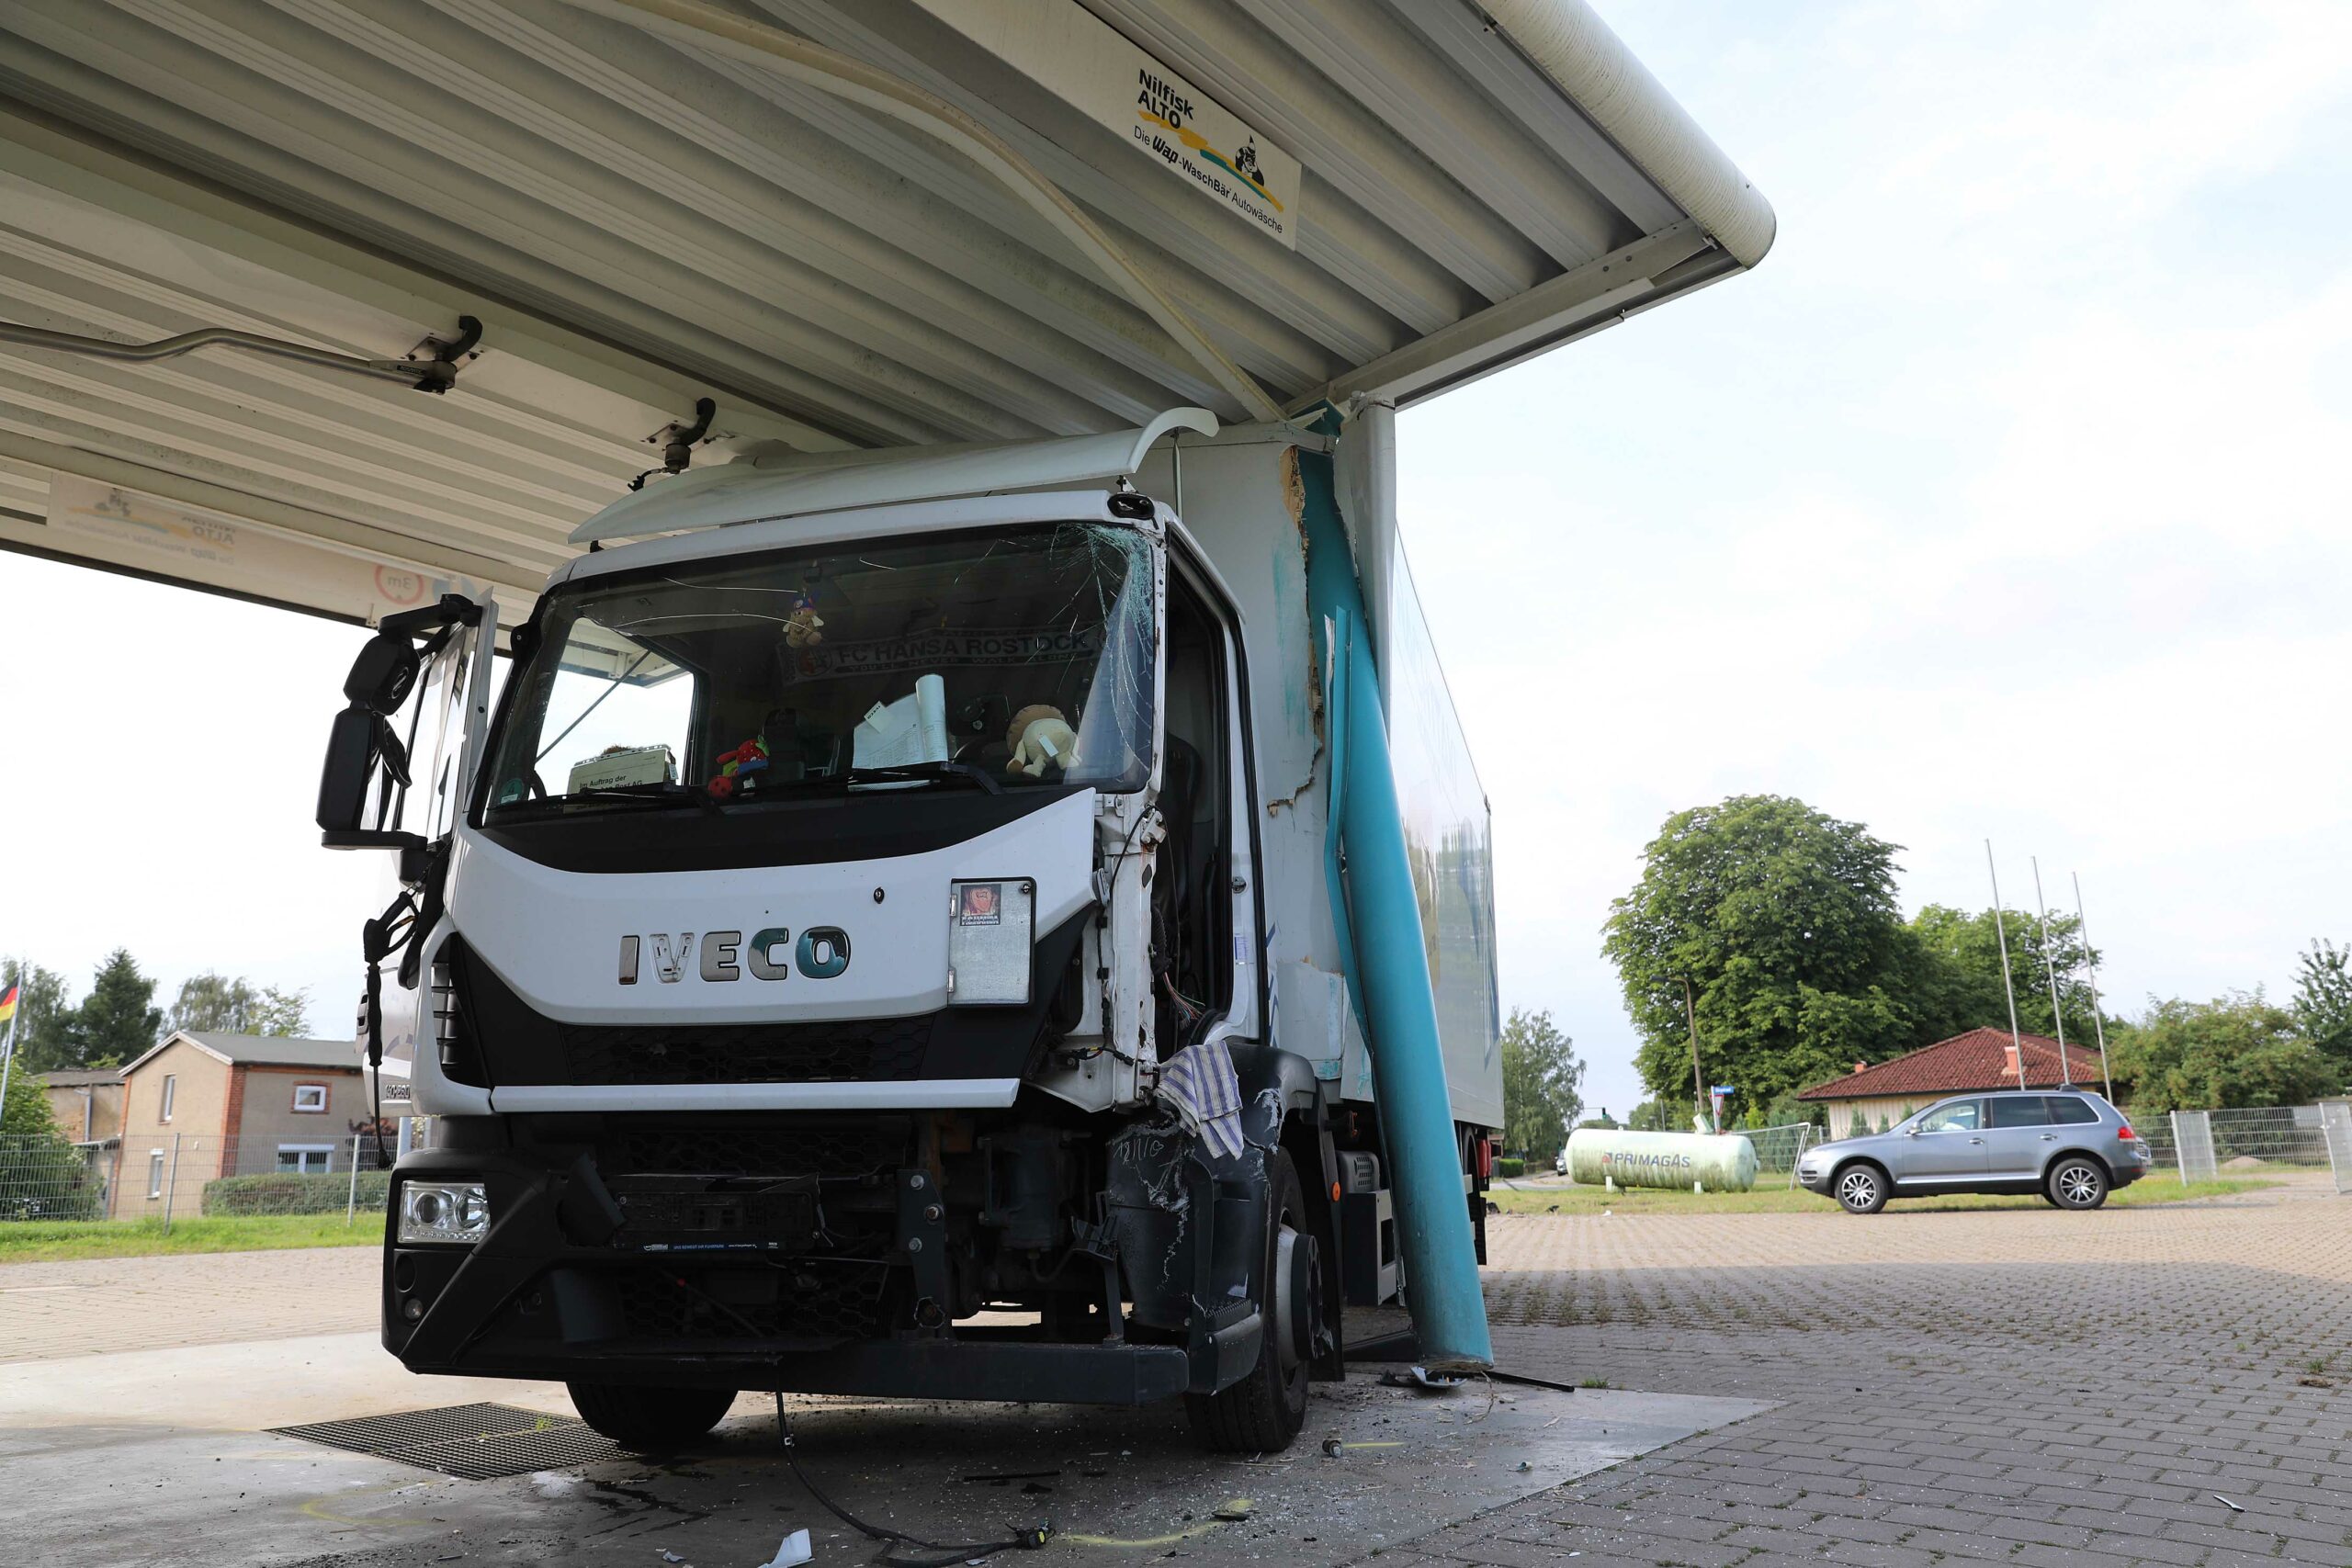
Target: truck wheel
(1264, 1411)
(649, 1420)
(2078, 1183)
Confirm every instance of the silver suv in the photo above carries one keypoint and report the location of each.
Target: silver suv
(2069, 1145)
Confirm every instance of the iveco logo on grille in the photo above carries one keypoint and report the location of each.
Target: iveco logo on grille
(822, 953)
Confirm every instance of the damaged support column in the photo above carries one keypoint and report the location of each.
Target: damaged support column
(1382, 922)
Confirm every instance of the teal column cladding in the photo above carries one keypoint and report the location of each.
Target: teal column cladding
(1379, 922)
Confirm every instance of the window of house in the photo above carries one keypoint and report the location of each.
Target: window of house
(309, 1097)
(305, 1159)
(171, 1083)
(156, 1170)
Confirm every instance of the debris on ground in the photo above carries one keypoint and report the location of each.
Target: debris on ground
(795, 1549)
(1424, 1380)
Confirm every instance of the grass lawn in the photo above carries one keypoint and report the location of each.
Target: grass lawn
(53, 1241)
(1776, 1199)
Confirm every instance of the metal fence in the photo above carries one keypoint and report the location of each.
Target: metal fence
(2201, 1145)
(172, 1177)
(1777, 1148)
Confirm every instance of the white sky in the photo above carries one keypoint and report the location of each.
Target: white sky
(2004, 499)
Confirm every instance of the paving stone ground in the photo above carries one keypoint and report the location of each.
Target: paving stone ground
(2026, 1387)
(52, 1310)
(2046, 1388)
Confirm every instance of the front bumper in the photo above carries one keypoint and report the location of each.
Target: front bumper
(547, 1295)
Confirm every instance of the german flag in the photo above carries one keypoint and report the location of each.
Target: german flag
(7, 1004)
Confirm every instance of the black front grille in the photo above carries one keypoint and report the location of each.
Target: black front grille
(818, 1300)
(854, 1050)
(866, 1148)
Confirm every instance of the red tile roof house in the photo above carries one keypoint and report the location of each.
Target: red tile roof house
(1970, 1062)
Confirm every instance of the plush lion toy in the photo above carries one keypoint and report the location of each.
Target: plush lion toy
(1038, 735)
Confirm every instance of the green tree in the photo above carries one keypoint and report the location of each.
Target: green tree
(1957, 981)
(118, 1020)
(213, 1003)
(26, 1115)
(2238, 1049)
(2323, 1003)
(284, 1013)
(43, 1017)
(1649, 1116)
(1542, 1085)
(1783, 923)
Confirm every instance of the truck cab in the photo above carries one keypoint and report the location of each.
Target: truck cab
(840, 959)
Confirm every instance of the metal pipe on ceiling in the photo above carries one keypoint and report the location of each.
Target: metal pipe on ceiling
(435, 374)
(706, 26)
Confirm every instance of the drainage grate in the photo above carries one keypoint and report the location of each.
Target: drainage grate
(473, 1442)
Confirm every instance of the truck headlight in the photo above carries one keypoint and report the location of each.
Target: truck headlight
(444, 1212)
(989, 932)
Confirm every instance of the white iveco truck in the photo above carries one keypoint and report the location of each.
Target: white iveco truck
(911, 924)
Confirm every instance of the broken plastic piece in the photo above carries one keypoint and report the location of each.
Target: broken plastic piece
(795, 1549)
(1235, 1511)
(1426, 1381)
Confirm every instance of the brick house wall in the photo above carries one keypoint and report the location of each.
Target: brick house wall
(263, 1117)
(199, 1119)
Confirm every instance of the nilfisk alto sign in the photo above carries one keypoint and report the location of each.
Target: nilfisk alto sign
(1093, 68)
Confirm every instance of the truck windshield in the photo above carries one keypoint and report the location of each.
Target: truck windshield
(1016, 659)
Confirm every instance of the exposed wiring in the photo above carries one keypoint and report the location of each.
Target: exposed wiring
(1025, 1538)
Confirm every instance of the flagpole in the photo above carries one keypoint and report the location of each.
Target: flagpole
(2050, 968)
(2008, 987)
(2082, 925)
(8, 1056)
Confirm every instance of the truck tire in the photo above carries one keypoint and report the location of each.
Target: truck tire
(649, 1420)
(1264, 1411)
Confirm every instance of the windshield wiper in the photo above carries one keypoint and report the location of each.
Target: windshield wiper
(928, 771)
(642, 795)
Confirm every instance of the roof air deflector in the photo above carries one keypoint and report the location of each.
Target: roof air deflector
(797, 483)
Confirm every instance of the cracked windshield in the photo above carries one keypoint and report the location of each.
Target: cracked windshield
(1009, 660)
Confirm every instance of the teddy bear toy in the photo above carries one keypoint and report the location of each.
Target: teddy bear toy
(1038, 735)
(804, 628)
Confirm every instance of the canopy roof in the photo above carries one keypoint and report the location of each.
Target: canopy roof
(846, 223)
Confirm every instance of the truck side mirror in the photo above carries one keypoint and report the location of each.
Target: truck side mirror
(360, 744)
(383, 674)
(366, 761)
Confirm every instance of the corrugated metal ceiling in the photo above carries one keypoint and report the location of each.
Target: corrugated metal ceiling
(640, 220)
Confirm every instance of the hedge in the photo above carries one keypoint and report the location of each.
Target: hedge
(1506, 1166)
(284, 1193)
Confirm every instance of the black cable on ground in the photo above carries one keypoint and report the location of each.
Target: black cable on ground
(1028, 1539)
